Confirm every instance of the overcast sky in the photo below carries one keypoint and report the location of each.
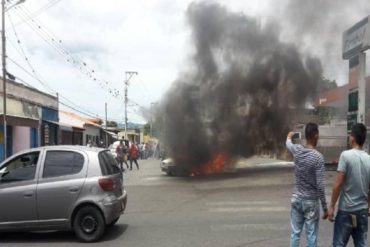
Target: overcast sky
(109, 38)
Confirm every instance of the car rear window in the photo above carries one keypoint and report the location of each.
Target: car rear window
(108, 163)
(62, 163)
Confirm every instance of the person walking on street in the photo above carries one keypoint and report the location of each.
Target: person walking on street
(89, 144)
(133, 155)
(352, 187)
(309, 187)
(121, 154)
(141, 150)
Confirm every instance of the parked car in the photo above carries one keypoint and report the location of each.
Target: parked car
(112, 147)
(168, 166)
(61, 188)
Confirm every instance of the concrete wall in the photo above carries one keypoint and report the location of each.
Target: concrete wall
(92, 131)
(20, 108)
(21, 138)
(20, 91)
(333, 135)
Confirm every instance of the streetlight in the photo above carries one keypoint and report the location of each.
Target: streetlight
(3, 59)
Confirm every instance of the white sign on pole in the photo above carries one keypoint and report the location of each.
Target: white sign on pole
(356, 39)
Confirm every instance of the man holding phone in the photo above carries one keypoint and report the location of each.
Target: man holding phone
(309, 188)
(352, 187)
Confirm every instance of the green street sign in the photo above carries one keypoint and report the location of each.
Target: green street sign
(353, 101)
(351, 120)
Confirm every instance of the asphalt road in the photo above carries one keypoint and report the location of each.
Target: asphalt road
(245, 207)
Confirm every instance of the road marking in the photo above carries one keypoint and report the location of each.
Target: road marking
(241, 203)
(243, 227)
(248, 209)
(154, 178)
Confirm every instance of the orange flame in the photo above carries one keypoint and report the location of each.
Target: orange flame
(216, 165)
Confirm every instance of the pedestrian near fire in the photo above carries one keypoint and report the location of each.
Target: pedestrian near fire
(352, 187)
(121, 155)
(309, 187)
(133, 155)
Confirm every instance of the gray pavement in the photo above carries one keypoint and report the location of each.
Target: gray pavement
(246, 206)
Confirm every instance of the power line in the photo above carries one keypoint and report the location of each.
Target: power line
(51, 39)
(77, 110)
(56, 44)
(39, 11)
(23, 54)
(142, 85)
(136, 104)
(65, 104)
(75, 107)
(29, 73)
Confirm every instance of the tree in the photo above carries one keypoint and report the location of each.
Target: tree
(112, 124)
(326, 84)
(147, 129)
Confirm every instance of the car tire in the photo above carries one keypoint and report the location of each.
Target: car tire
(113, 222)
(172, 172)
(88, 224)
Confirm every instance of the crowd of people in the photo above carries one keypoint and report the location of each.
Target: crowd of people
(132, 152)
(351, 187)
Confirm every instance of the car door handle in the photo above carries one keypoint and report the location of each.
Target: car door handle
(28, 194)
(74, 189)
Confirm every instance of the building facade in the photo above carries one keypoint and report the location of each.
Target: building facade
(26, 108)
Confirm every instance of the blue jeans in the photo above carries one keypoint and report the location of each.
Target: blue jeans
(350, 224)
(304, 213)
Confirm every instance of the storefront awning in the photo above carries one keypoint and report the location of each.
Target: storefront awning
(66, 127)
(112, 134)
(20, 121)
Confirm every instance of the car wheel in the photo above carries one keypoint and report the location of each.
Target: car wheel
(172, 172)
(113, 222)
(89, 224)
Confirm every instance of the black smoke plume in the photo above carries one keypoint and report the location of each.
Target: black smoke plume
(318, 26)
(237, 99)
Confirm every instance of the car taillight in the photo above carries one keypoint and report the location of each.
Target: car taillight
(106, 184)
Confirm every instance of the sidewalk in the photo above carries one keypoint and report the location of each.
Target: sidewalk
(261, 161)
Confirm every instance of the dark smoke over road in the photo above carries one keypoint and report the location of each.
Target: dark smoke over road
(236, 99)
(318, 25)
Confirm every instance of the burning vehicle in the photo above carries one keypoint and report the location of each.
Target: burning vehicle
(172, 168)
(183, 167)
(168, 166)
(236, 98)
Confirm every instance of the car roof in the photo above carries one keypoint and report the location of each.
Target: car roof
(58, 147)
(64, 147)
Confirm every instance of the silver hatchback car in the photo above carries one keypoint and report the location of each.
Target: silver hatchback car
(61, 188)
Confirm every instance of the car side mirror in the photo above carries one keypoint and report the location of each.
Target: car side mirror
(3, 173)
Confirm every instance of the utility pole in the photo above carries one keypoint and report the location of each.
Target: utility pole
(129, 75)
(106, 125)
(3, 60)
